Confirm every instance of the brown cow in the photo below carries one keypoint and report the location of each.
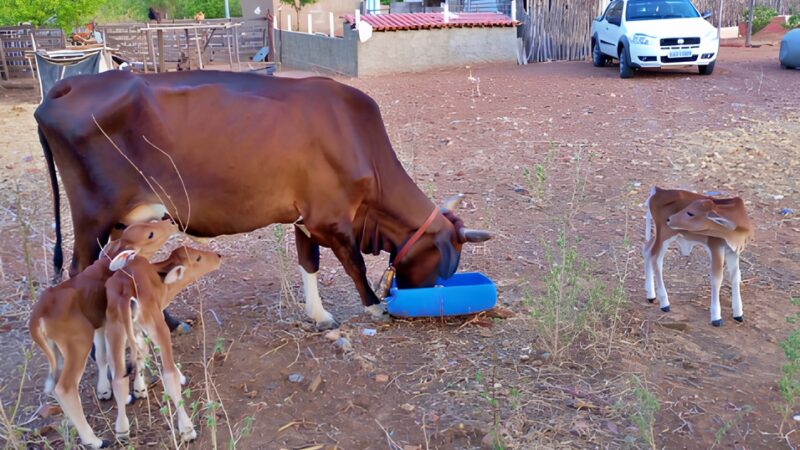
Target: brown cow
(69, 317)
(251, 151)
(137, 295)
(720, 225)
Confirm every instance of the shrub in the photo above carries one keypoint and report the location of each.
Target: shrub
(761, 17)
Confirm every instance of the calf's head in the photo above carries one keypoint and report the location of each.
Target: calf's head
(702, 217)
(186, 265)
(437, 253)
(142, 239)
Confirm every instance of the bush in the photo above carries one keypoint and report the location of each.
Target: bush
(761, 17)
(793, 22)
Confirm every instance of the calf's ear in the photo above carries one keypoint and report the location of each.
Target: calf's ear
(121, 260)
(721, 221)
(175, 274)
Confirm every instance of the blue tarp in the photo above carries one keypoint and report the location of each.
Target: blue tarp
(790, 49)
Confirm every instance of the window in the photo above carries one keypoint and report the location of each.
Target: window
(614, 14)
(660, 9)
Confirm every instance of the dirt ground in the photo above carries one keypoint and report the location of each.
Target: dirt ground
(544, 152)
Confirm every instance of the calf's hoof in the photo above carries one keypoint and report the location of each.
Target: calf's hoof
(131, 400)
(651, 300)
(124, 437)
(717, 323)
(739, 319)
(665, 308)
(188, 435)
(183, 380)
(101, 443)
(104, 395)
(326, 325)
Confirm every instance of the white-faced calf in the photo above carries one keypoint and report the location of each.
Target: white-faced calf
(720, 225)
(137, 297)
(69, 317)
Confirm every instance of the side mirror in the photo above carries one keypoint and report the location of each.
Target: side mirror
(707, 14)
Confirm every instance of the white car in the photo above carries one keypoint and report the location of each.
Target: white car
(654, 33)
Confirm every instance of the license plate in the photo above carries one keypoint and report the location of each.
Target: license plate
(680, 53)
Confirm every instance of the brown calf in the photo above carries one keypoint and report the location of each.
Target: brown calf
(137, 297)
(69, 317)
(720, 225)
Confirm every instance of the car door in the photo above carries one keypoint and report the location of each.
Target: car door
(611, 28)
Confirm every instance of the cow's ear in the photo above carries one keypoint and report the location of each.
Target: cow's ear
(721, 221)
(175, 274)
(121, 260)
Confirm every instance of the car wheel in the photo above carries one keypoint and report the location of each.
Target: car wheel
(598, 58)
(625, 69)
(707, 69)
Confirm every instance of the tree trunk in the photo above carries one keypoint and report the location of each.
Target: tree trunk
(750, 23)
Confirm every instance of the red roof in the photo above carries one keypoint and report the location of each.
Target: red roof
(421, 21)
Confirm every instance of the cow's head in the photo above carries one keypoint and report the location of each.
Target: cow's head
(142, 239)
(437, 253)
(701, 217)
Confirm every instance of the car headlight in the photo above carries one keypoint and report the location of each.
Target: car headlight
(643, 39)
(712, 35)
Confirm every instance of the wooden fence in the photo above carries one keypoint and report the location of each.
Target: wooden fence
(561, 29)
(132, 44)
(16, 41)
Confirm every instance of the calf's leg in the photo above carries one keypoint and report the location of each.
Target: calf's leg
(76, 353)
(649, 282)
(657, 267)
(308, 257)
(715, 276)
(100, 356)
(115, 343)
(735, 278)
(159, 332)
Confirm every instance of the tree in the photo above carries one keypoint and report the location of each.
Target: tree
(298, 5)
(66, 14)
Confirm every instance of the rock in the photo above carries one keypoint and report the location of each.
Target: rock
(407, 407)
(343, 344)
(47, 410)
(315, 383)
(333, 335)
(295, 378)
(381, 378)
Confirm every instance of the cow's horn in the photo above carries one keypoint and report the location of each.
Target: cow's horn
(451, 203)
(470, 235)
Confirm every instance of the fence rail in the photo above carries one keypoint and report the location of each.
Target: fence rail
(16, 41)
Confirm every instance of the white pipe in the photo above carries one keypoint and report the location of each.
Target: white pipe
(446, 12)
(358, 18)
(330, 22)
(514, 10)
(310, 31)
(288, 22)
(275, 22)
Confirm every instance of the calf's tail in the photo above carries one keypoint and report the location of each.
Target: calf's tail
(58, 255)
(128, 312)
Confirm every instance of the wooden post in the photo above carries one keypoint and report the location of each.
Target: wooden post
(150, 49)
(161, 56)
(3, 66)
(236, 47)
(228, 41)
(199, 53)
(719, 20)
(330, 22)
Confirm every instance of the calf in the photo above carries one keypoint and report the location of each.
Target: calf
(720, 225)
(69, 317)
(137, 297)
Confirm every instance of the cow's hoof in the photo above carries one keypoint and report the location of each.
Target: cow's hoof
(665, 308)
(188, 435)
(739, 319)
(101, 443)
(717, 323)
(183, 328)
(378, 312)
(651, 300)
(326, 325)
(140, 393)
(131, 400)
(123, 437)
(105, 444)
(104, 395)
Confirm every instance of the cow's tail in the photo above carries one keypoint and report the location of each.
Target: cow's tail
(36, 328)
(648, 221)
(58, 253)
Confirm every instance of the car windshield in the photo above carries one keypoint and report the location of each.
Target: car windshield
(660, 9)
